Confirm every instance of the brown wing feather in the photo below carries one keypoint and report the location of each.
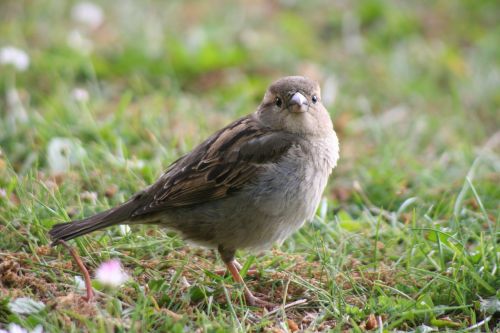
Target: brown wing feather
(223, 163)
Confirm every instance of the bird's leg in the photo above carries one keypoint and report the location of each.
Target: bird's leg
(83, 269)
(234, 268)
(250, 272)
(223, 271)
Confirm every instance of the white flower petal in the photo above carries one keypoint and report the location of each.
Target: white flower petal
(80, 284)
(79, 42)
(124, 229)
(37, 329)
(80, 95)
(15, 328)
(90, 196)
(11, 55)
(88, 13)
(15, 108)
(135, 163)
(111, 273)
(25, 305)
(62, 153)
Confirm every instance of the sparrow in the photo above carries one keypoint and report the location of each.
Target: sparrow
(250, 185)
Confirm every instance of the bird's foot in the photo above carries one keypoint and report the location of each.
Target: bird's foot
(234, 267)
(253, 300)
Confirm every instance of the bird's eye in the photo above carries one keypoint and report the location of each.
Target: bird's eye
(278, 102)
(314, 99)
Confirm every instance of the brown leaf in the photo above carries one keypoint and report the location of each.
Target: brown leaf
(44, 250)
(175, 316)
(111, 191)
(371, 322)
(292, 325)
(76, 303)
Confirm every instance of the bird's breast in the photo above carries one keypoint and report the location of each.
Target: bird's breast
(291, 189)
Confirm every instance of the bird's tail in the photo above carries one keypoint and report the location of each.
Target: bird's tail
(73, 229)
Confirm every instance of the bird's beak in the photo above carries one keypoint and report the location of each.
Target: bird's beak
(298, 103)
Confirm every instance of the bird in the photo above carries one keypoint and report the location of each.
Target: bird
(248, 186)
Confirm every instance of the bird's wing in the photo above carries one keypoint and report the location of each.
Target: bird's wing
(222, 164)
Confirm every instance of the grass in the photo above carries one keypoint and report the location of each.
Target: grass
(406, 237)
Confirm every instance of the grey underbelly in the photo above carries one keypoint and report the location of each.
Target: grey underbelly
(257, 216)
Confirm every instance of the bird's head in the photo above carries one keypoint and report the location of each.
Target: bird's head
(293, 104)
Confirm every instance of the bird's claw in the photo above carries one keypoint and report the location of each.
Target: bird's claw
(252, 300)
